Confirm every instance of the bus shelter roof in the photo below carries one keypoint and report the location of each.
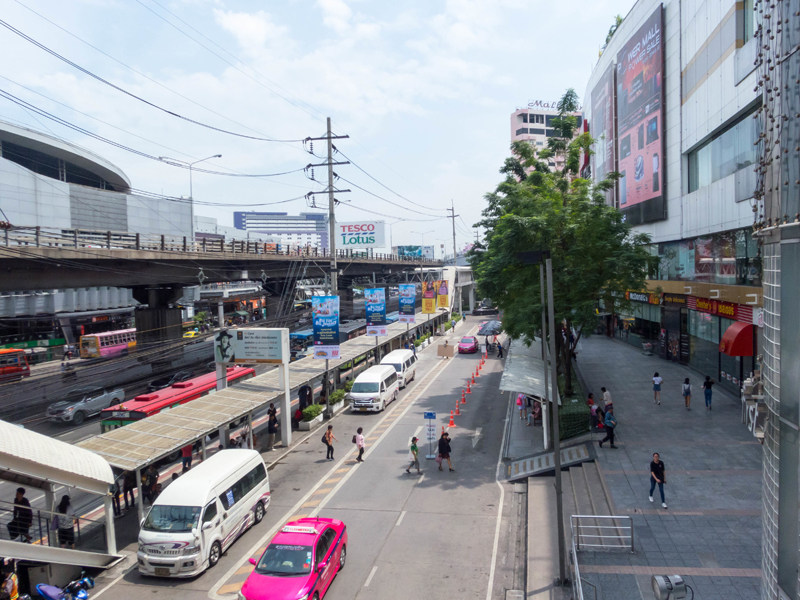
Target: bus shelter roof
(139, 444)
(524, 370)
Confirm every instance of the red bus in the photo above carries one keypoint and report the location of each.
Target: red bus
(179, 393)
(13, 364)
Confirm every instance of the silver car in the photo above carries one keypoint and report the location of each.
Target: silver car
(83, 402)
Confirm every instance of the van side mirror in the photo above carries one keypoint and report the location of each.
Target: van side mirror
(253, 561)
(208, 525)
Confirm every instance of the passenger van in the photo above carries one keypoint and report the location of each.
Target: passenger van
(404, 363)
(374, 389)
(200, 514)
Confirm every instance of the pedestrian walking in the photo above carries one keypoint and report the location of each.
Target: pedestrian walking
(305, 394)
(272, 410)
(328, 438)
(128, 485)
(272, 430)
(115, 490)
(611, 424)
(657, 476)
(452, 323)
(21, 519)
(444, 451)
(413, 456)
(657, 381)
(149, 481)
(360, 443)
(521, 405)
(687, 393)
(707, 391)
(607, 402)
(66, 523)
(186, 457)
(499, 350)
(445, 349)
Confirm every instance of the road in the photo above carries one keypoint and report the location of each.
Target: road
(437, 533)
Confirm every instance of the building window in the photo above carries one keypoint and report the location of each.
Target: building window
(522, 130)
(749, 20)
(524, 117)
(732, 149)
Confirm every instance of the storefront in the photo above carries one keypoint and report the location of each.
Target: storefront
(673, 340)
(722, 340)
(641, 324)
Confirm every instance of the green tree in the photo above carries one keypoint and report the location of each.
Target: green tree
(613, 29)
(595, 254)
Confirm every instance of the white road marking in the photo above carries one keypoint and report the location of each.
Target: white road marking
(371, 574)
(400, 520)
(421, 477)
(476, 436)
(416, 433)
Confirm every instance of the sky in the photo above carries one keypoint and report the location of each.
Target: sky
(423, 88)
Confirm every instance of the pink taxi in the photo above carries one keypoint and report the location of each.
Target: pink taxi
(299, 563)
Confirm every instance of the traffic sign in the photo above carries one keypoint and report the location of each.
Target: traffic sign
(430, 415)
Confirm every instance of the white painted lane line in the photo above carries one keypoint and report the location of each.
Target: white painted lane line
(421, 477)
(371, 575)
(400, 520)
(476, 436)
(416, 433)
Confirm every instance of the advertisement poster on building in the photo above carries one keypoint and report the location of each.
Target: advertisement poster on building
(360, 234)
(252, 346)
(429, 297)
(413, 251)
(640, 120)
(408, 301)
(325, 316)
(375, 303)
(601, 127)
(443, 300)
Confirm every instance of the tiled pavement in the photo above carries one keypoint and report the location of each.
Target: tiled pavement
(711, 532)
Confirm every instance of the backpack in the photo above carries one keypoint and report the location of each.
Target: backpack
(325, 438)
(519, 400)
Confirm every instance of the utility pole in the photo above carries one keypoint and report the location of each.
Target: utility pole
(453, 216)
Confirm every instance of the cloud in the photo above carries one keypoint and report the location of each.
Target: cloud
(336, 14)
(254, 32)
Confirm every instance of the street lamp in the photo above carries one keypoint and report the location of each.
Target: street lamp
(391, 243)
(441, 246)
(423, 234)
(190, 165)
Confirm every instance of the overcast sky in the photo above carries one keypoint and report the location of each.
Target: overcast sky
(423, 88)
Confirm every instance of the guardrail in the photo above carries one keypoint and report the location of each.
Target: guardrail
(577, 580)
(41, 237)
(581, 532)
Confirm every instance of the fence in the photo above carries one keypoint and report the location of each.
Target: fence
(596, 532)
(40, 237)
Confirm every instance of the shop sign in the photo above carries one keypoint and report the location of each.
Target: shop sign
(643, 297)
(674, 300)
(729, 310)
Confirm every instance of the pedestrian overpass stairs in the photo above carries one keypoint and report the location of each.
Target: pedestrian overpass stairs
(544, 462)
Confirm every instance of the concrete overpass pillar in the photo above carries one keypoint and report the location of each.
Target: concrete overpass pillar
(158, 322)
(472, 297)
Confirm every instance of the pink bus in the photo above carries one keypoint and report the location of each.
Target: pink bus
(109, 343)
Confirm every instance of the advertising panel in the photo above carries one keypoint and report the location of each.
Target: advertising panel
(413, 251)
(325, 316)
(360, 234)
(375, 303)
(252, 346)
(443, 298)
(408, 301)
(428, 297)
(601, 128)
(640, 123)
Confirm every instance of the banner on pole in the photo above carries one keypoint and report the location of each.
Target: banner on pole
(408, 301)
(325, 315)
(428, 297)
(252, 346)
(443, 298)
(375, 303)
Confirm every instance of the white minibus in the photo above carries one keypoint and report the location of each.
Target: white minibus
(374, 389)
(404, 363)
(200, 514)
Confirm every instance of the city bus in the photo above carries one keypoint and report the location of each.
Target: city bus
(179, 393)
(13, 365)
(352, 329)
(107, 344)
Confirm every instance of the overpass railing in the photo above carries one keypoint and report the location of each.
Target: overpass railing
(44, 237)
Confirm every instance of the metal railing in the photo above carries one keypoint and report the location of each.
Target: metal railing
(586, 535)
(42, 237)
(577, 580)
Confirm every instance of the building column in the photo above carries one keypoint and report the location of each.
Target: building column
(111, 536)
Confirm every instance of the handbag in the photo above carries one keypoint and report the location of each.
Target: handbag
(439, 459)
(54, 523)
(354, 438)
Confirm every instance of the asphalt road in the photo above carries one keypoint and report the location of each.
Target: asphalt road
(410, 536)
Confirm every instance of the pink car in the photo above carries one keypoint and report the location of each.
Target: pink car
(468, 345)
(299, 563)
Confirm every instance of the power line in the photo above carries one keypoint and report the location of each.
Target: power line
(384, 199)
(132, 95)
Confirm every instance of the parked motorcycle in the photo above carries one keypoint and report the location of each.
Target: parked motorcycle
(74, 590)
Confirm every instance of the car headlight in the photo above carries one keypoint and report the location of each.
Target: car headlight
(70, 409)
(190, 550)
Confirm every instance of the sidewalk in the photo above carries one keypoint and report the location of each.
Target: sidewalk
(711, 532)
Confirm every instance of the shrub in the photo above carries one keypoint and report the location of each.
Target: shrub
(336, 397)
(312, 412)
(349, 385)
(447, 326)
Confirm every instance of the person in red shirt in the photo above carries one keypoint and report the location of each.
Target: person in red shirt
(186, 457)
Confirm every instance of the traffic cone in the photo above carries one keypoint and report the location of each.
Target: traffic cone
(442, 428)
(477, 372)
(469, 390)
(458, 412)
(452, 423)
(473, 379)
(463, 397)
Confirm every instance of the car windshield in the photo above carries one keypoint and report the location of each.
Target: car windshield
(175, 519)
(364, 387)
(284, 559)
(468, 340)
(79, 394)
(397, 368)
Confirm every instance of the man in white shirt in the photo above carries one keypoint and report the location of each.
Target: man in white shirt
(606, 398)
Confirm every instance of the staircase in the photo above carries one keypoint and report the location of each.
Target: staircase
(583, 494)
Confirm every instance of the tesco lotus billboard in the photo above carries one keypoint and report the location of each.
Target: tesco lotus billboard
(360, 234)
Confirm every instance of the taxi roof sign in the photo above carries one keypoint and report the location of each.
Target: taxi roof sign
(298, 529)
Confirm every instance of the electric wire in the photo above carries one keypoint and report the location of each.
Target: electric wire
(385, 199)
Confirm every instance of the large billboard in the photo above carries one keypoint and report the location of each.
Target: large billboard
(375, 303)
(325, 316)
(601, 128)
(429, 289)
(443, 301)
(251, 346)
(413, 251)
(360, 234)
(640, 123)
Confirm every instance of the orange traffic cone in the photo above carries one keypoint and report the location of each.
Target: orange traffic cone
(473, 379)
(469, 390)
(452, 423)
(458, 412)
(463, 397)
(477, 372)
(442, 428)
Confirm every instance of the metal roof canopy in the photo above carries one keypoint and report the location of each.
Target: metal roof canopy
(35, 460)
(139, 444)
(524, 370)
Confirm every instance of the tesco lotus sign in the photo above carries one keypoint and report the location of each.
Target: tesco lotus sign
(361, 234)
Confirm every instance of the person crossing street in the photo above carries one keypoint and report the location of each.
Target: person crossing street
(413, 456)
(611, 424)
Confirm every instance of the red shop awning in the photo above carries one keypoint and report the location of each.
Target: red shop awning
(737, 340)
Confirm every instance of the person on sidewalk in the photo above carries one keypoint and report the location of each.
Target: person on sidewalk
(413, 456)
(128, 485)
(445, 349)
(607, 402)
(707, 391)
(687, 393)
(329, 439)
(20, 524)
(657, 477)
(272, 410)
(499, 350)
(523, 409)
(272, 431)
(444, 451)
(611, 424)
(657, 381)
(186, 457)
(360, 444)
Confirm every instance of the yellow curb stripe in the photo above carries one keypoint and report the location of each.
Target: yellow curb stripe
(322, 491)
(247, 569)
(333, 480)
(231, 588)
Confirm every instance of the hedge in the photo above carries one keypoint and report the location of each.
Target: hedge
(312, 412)
(336, 397)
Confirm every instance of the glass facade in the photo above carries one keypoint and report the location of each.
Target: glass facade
(705, 332)
(641, 324)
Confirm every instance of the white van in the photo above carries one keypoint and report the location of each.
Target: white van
(200, 514)
(374, 389)
(404, 363)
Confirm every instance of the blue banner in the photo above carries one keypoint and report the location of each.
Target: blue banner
(325, 311)
(375, 305)
(408, 301)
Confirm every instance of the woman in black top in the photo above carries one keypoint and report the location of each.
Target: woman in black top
(444, 451)
(657, 476)
(707, 391)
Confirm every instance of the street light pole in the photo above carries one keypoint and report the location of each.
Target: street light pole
(167, 160)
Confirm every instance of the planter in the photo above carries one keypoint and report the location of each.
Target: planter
(334, 408)
(309, 425)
